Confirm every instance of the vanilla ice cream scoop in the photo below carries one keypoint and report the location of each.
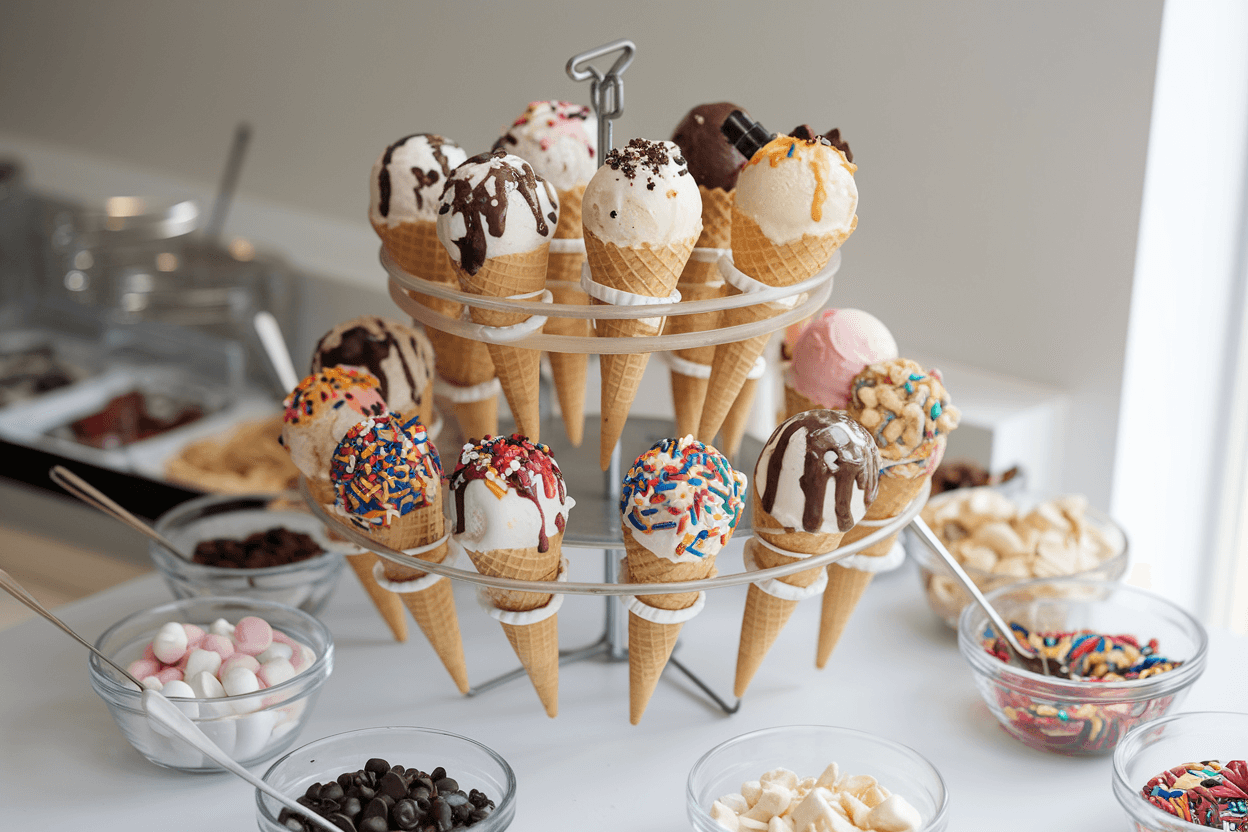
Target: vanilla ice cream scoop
(834, 348)
(794, 187)
(643, 195)
(805, 455)
(408, 179)
(552, 136)
(495, 204)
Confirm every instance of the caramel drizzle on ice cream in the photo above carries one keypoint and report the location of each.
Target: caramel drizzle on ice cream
(488, 201)
(783, 148)
(837, 449)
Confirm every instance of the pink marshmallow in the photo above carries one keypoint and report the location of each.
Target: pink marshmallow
(218, 644)
(194, 636)
(143, 668)
(169, 674)
(282, 638)
(238, 660)
(252, 635)
(149, 652)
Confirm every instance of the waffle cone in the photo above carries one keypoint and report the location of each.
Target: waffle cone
(569, 226)
(570, 370)
(463, 362)
(322, 490)
(780, 265)
(733, 429)
(538, 650)
(416, 248)
(775, 265)
(688, 393)
(795, 402)
(643, 270)
(433, 608)
(845, 586)
(387, 603)
(697, 282)
(518, 369)
(716, 217)
(537, 647)
(650, 644)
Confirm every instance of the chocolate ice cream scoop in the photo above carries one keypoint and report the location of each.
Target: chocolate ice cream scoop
(713, 161)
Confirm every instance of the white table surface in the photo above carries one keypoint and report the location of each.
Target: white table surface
(897, 672)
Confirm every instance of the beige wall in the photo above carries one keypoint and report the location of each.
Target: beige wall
(1001, 145)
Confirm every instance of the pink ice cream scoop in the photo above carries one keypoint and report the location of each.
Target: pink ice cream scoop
(835, 348)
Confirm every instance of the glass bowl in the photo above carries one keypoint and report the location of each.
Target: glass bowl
(945, 594)
(1078, 717)
(305, 584)
(468, 762)
(1150, 749)
(808, 750)
(251, 727)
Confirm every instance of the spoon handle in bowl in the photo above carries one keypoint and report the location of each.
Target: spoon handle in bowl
(160, 710)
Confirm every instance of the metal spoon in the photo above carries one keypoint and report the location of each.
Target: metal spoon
(95, 498)
(1020, 656)
(164, 713)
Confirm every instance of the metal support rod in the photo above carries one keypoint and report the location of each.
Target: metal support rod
(704, 687)
(606, 90)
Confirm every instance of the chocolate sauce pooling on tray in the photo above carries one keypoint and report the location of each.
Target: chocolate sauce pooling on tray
(827, 432)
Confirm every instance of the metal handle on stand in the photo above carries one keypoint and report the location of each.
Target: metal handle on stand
(606, 91)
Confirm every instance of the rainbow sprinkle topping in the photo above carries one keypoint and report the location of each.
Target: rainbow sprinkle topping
(687, 490)
(383, 469)
(334, 388)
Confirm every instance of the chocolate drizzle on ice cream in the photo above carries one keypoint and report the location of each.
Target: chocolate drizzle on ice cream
(835, 449)
(482, 204)
(391, 351)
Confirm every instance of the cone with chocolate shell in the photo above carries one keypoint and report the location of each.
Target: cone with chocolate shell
(908, 413)
(680, 503)
(788, 217)
(509, 508)
(563, 278)
(387, 481)
(496, 221)
(815, 474)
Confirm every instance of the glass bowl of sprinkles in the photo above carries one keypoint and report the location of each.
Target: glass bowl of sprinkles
(1117, 657)
(1185, 773)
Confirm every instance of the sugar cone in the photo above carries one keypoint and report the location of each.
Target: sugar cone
(570, 370)
(766, 615)
(795, 402)
(387, 603)
(650, 644)
(416, 248)
(569, 226)
(642, 270)
(434, 607)
(846, 586)
(519, 369)
(786, 265)
(688, 393)
(537, 646)
(733, 430)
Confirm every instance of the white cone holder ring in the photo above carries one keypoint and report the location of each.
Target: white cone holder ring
(760, 367)
(798, 302)
(416, 584)
(567, 245)
(619, 297)
(710, 255)
(522, 618)
(657, 615)
(514, 332)
(776, 587)
(747, 285)
(685, 367)
(880, 563)
(461, 395)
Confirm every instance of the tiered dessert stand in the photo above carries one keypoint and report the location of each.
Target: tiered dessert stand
(595, 522)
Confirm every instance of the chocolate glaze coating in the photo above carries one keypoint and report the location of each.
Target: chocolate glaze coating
(713, 162)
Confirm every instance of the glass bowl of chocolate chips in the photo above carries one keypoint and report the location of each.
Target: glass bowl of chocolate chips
(397, 778)
(248, 546)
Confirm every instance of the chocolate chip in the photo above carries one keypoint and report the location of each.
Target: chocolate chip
(392, 785)
(377, 766)
(446, 784)
(376, 823)
(342, 822)
(274, 547)
(442, 814)
(331, 791)
(405, 814)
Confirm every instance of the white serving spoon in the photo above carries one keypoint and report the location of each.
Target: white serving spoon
(270, 334)
(165, 714)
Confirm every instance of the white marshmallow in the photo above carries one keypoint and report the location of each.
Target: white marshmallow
(780, 776)
(809, 811)
(253, 734)
(773, 801)
(221, 627)
(751, 791)
(735, 802)
(240, 681)
(206, 686)
(276, 650)
(275, 672)
(829, 777)
(202, 661)
(152, 683)
(170, 643)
